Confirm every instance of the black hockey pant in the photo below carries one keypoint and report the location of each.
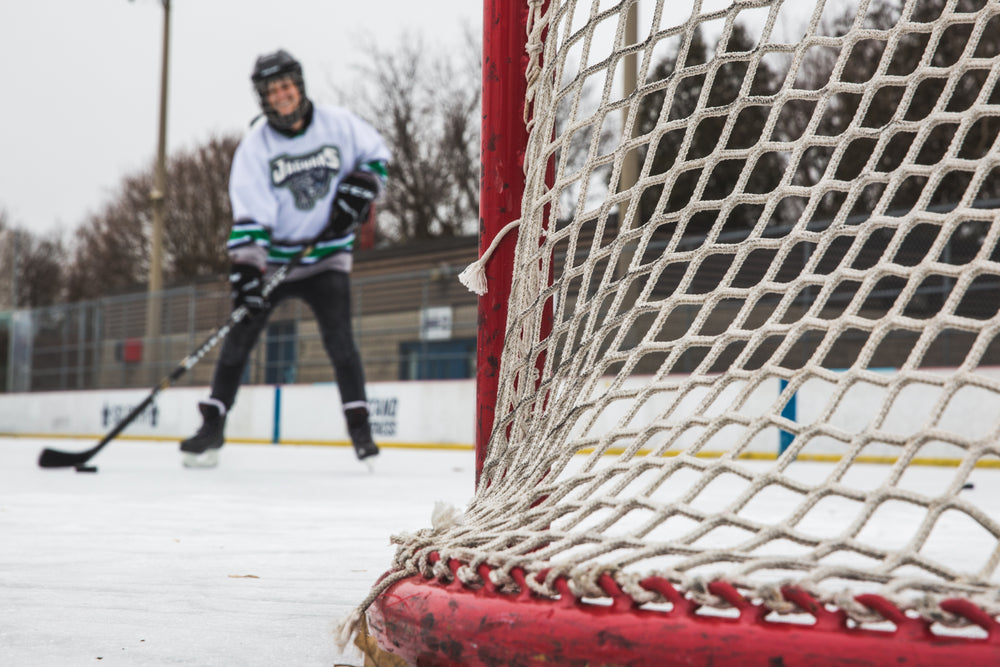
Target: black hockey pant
(329, 297)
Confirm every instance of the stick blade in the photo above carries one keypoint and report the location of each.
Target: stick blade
(53, 458)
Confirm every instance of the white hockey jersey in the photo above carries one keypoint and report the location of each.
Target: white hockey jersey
(281, 188)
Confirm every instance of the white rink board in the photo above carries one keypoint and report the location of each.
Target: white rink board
(415, 413)
(437, 412)
(442, 413)
(971, 412)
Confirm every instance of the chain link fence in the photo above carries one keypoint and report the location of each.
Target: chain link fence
(408, 325)
(421, 324)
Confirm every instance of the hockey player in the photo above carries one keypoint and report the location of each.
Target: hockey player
(308, 172)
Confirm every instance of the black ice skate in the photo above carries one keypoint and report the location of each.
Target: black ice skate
(201, 450)
(364, 447)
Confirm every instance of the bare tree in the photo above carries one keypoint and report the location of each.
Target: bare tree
(6, 259)
(426, 105)
(199, 214)
(111, 250)
(719, 91)
(30, 266)
(40, 266)
(864, 59)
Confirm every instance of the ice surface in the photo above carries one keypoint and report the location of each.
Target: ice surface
(252, 563)
(256, 561)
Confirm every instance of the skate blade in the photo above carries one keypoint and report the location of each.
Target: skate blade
(207, 459)
(369, 462)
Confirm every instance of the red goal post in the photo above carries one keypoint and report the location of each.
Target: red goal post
(502, 141)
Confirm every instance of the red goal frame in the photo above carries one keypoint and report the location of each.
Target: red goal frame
(502, 181)
(444, 623)
(434, 623)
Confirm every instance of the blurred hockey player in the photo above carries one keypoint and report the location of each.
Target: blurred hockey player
(305, 173)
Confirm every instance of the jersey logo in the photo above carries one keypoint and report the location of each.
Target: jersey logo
(308, 177)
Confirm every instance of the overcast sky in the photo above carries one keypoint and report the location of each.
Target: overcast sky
(81, 81)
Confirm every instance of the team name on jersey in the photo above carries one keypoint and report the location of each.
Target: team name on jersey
(308, 176)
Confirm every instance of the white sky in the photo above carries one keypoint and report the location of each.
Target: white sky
(81, 81)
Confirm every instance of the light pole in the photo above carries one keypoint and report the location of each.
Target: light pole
(158, 194)
(15, 251)
(12, 329)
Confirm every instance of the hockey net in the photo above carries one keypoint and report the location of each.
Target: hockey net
(723, 367)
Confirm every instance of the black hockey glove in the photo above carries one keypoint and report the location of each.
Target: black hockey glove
(354, 198)
(247, 283)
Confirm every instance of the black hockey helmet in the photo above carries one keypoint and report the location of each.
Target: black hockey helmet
(279, 65)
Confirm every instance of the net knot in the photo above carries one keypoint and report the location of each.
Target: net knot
(445, 516)
(474, 275)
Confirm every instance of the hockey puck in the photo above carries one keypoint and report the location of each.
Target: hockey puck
(82, 468)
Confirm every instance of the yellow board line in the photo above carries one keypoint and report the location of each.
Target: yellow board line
(614, 451)
(823, 458)
(246, 441)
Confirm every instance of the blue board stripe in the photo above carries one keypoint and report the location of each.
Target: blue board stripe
(276, 434)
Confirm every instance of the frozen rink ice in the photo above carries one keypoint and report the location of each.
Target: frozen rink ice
(252, 563)
(256, 561)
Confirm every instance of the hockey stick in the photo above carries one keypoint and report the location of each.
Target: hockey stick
(54, 458)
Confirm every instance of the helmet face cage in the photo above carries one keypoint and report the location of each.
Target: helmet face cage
(272, 67)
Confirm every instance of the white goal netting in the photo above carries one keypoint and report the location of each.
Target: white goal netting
(752, 296)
